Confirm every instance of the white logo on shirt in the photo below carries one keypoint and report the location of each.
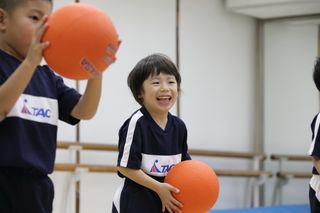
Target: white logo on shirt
(159, 165)
(40, 109)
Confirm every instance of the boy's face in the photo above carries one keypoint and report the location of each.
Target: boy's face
(159, 93)
(18, 26)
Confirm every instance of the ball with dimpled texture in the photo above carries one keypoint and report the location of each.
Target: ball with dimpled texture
(198, 185)
(83, 41)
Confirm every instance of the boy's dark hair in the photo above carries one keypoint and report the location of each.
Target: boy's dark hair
(151, 65)
(10, 5)
(316, 73)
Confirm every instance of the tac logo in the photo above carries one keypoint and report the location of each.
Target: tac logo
(160, 168)
(34, 111)
(85, 63)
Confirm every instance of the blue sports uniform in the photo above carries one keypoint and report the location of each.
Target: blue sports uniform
(314, 189)
(144, 145)
(28, 138)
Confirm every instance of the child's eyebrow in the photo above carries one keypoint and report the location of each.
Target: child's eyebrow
(37, 11)
(154, 78)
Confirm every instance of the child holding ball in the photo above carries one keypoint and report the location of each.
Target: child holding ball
(151, 141)
(32, 99)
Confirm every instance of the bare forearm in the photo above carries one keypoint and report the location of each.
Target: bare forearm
(140, 177)
(88, 103)
(14, 86)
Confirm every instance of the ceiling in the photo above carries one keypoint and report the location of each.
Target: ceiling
(266, 9)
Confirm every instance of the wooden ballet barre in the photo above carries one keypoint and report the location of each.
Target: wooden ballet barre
(195, 152)
(192, 152)
(294, 174)
(87, 146)
(282, 158)
(211, 153)
(71, 167)
(242, 173)
(290, 157)
(284, 175)
(257, 177)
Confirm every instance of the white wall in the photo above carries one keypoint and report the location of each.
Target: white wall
(217, 67)
(290, 97)
(217, 61)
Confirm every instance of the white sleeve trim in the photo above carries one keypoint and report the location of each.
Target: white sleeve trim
(315, 133)
(129, 138)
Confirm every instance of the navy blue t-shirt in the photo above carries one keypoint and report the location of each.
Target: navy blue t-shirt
(28, 134)
(144, 145)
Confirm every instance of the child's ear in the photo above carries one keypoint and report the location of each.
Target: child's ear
(3, 15)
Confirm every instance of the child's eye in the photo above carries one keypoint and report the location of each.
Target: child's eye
(34, 18)
(155, 82)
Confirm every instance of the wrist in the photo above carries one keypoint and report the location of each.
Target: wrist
(28, 65)
(96, 78)
(156, 186)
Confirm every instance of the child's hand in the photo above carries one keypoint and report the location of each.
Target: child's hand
(34, 54)
(110, 57)
(168, 201)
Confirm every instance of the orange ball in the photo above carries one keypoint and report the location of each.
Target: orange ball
(198, 185)
(83, 41)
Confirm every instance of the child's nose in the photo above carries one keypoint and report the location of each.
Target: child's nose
(164, 87)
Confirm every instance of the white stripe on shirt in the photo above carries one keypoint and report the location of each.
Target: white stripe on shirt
(315, 133)
(129, 138)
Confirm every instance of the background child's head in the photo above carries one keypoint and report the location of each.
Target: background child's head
(151, 65)
(19, 22)
(10, 5)
(316, 73)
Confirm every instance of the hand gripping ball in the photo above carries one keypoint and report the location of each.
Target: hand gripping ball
(198, 185)
(83, 41)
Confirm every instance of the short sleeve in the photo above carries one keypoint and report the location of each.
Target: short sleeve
(185, 153)
(130, 140)
(316, 145)
(67, 99)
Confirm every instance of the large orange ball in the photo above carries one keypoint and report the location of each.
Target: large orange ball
(198, 185)
(83, 41)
